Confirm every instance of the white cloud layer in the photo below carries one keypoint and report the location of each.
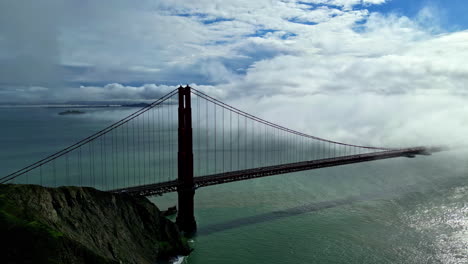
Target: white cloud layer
(339, 70)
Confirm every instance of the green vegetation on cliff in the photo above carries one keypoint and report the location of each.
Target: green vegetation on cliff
(83, 225)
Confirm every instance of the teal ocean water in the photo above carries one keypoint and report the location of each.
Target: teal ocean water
(391, 211)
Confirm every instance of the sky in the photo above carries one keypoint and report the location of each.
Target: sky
(385, 71)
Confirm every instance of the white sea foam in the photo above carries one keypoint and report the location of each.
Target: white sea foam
(178, 260)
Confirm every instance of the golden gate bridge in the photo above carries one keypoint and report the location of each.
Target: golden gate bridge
(187, 140)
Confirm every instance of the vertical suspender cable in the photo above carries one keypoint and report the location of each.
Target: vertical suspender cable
(215, 150)
(160, 163)
(134, 154)
(246, 144)
(170, 115)
(152, 139)
(168, 144)
(127, 153)
(222, 108)
(230, 140)
(206, 137)
(238, 143)
(144, 146)
(199, 134)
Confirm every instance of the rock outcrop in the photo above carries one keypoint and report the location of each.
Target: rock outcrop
(83, 225)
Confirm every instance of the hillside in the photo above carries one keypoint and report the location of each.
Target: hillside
(83, 225)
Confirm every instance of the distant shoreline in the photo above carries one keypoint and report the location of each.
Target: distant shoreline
(75, 106)
(59, 106)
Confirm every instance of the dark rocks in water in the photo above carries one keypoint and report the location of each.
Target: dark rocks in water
(71, 112)
(83, 225)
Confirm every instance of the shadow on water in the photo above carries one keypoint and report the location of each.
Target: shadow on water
(438, 185)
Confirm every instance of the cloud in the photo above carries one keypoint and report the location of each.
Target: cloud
(166, 41)
(29, 46)
(342, 71)
(120, 92)
(374, 2)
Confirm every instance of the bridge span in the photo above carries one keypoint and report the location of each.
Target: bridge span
(233, 176)
(177, 144)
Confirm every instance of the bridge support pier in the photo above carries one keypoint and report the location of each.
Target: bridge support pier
(186, 188)
(185, 216)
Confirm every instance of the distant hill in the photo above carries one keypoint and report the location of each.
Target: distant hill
(136, 105)
(71, 112)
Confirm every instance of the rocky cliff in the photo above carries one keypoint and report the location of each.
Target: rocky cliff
(82, 225)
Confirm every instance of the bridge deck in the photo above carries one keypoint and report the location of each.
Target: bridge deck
(220, 178)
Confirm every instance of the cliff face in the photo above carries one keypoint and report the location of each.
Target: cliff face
(82, 225)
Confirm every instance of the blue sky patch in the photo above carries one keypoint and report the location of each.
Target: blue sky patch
(288, 35)
(197, 15)
(360, 26)
(453, 13)
(215, 20)
(311, 6)
(262, 32)
(299, 21)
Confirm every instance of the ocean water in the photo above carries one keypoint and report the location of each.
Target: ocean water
(390, 211)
